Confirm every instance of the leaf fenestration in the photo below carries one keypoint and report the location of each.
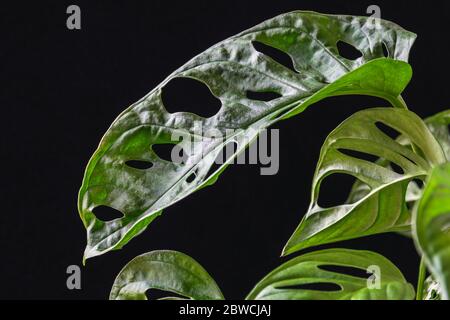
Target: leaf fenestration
(379, 198)
(438, 125)
(287, 281)
(231, 69)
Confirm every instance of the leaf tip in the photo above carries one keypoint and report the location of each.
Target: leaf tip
(287, 250)
(89, 253)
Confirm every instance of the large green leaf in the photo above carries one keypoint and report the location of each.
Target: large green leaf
(287, 281)
(164, 270)
(432, 226)
(383, 208)
(231, 69)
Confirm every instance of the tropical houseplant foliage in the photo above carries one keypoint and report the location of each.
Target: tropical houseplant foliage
(402, 183)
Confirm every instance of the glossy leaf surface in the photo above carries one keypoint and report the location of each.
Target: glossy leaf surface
(168, 271)
(288, 281)
(432, 226)
(379, 205)
(231, 69)
(439, 126)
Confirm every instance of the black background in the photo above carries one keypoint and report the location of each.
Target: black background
(61, 89)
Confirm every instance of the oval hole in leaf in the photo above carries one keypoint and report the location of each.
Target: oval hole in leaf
(348, 51)
(396, 168)
(106, 213)
(263, 95)
(433, 295)
(359, 155)
(156, 294)
(350, 271)
(275, 54)
(419, 183)
(318, 286)
(189, 95)
(191, 177)
(334, 189)
(164, 151)
(389, 131)
(139, 164)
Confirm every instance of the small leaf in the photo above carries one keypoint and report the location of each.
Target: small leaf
(308, 270)
(231, 69)
(168, 271)
(432, 226)
(379, 198)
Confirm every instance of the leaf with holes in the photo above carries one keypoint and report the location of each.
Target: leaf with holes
(295, 279)
(439, 126)
(165, 270)
(383, 209)
(432, 226)
(127, 174)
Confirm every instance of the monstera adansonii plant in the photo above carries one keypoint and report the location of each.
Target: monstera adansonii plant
(402, 183)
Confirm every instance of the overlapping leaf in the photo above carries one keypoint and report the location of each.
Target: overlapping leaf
(164, 270)
(438, 125)
(432, 226)
(383, 208)
(231, 69)
(287, 282)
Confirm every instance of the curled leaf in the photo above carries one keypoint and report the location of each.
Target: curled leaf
(438, 125)
(293, 279)
(164, 270)
(379, 205)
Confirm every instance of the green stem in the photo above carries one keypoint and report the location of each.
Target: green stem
(398, 102)
(421, 280)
